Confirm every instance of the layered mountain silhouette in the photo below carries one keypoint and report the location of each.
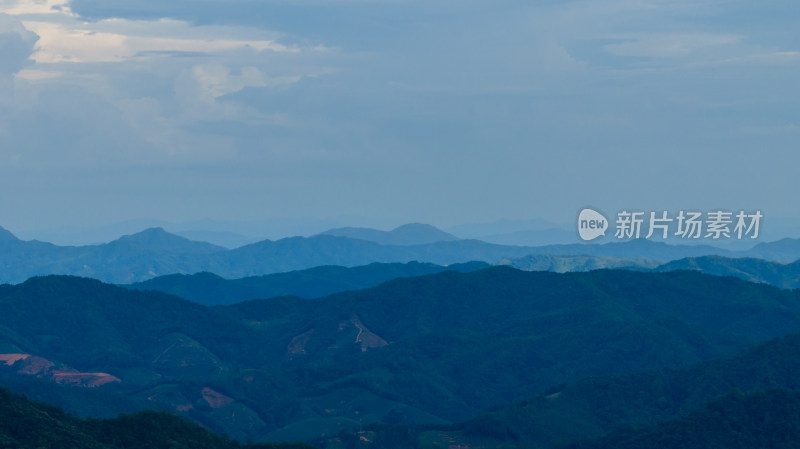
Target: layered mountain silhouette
(532, 238)
(783, 275)
(779, 274)
(210, 289)
(409, 234)
(433, 349)
(784, 250)
(155, 252)
(564, 264)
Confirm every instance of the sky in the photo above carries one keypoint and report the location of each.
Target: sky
(378, 113)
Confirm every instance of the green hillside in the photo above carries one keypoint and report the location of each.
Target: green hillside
(783, 275)
(434, 349)
(595, 406)
(769, 419)
(210, 289)
(25, 424)
(565, 264)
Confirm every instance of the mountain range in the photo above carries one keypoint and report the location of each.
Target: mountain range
(565, 264)
(155, 252)
(409, 234)
(210, 289)
(783, 275)
(431, 350)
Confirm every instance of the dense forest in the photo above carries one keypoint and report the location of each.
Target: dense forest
(26, 424)
(768, 419)
(430, 350)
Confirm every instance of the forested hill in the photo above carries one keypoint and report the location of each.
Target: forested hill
(439, 348)
(210, 289)
(25, 424)
(768, 420)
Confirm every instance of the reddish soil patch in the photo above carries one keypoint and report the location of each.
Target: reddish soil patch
(10, 359)
(90, 380)
(298, 344)
(216, 399)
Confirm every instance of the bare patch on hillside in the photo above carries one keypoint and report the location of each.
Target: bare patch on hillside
(10, 359)
(216, 399)
(83, 379)
(298, 344)
(366, 338)
(30, 365)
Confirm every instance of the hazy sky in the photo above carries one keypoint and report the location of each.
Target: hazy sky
(394, 111)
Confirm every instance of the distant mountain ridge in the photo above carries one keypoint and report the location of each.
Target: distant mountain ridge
(408, 234)
(157, 239)
(227, 240)
(6, 236)
(566, 264)
(155, 252)
(779, 274)
(541, 237)
(783, 250)
(132, 257)
(783, 275)
(210, 289)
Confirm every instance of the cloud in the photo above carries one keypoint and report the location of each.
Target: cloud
(115, 40)
(418, 109)
(671, 45)
(16, 45)
(37, 7)
(122, 93)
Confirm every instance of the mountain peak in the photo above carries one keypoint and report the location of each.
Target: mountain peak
(421, 233)
(150, 234)
(157, 230)
(158, 238)
(417, 227)
(783, 250)
(407, 234)
(6, 236)
(783, 241)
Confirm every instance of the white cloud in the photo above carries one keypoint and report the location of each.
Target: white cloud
(77, 41)
(119, 91)
(16, 45)
(295, 98)
(670, 45)
(35, 7)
